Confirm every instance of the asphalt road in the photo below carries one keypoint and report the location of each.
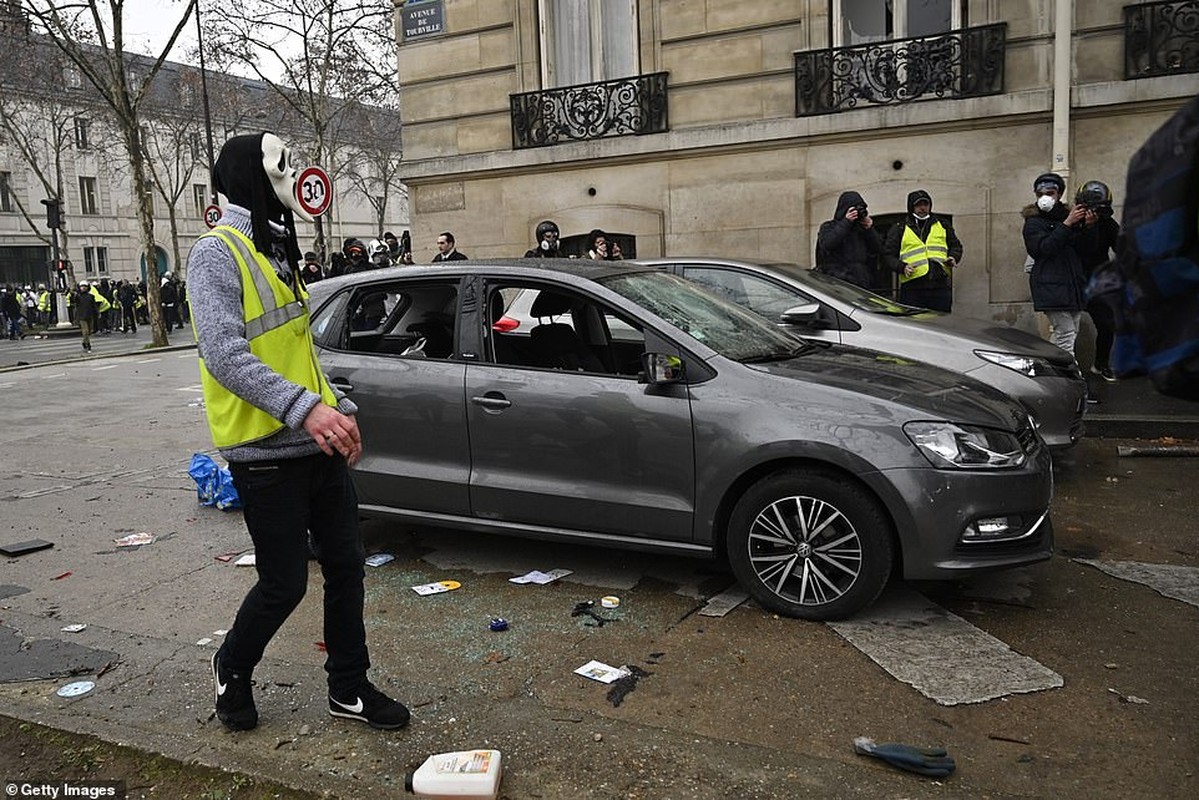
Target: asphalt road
(1069, 679)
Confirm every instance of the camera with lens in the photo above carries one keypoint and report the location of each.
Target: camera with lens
(861, 209)
(1095, 196)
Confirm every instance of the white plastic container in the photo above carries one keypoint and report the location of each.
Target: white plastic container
(465, 775)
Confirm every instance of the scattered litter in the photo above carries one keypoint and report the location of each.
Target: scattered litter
(227, 557)
(220, 632)
(204, 642)
(599, 671)
(495, 657)
(724, 602)
(626, 684)
(610, 601)
(321, 647)
(587, 608)
(135, 539)
(539, 577)
(248, 560)
(1130, 698)
(469, 773)
(498, 624)
(214, 483)
(75, 689)
(21, 548)
(932, 762)
(379, 559)
(436, 588)
(74, 627)
(998, 738)
(66, 574)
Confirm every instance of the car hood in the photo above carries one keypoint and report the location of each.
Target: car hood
(931, 391)
(977, 334)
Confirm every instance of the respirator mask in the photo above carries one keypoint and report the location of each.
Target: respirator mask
(1046, 203)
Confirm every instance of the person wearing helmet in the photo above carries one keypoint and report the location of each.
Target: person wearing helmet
(357, 259)
(1052, 236)
(1095, 248)
(378, 254)
(547, 241)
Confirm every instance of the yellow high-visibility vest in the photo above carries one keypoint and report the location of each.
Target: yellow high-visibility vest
(102, 303)
(277, 329)
(43, 301)
(917, 254)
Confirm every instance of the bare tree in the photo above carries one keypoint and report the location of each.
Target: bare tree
(375, 159)
(319, 56)
(91, 35)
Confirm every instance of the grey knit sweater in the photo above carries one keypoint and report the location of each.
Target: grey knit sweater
(214, 294)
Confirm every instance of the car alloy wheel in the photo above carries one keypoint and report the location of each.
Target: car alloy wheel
(810, 545)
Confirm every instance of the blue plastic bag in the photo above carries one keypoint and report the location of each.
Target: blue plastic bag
(214, 484)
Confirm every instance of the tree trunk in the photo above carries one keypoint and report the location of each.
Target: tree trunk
(173, 216)
(145, 218)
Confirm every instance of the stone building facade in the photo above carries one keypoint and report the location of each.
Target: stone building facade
(708, 127)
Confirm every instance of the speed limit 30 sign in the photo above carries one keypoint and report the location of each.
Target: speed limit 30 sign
(314, 190)
(212, 215)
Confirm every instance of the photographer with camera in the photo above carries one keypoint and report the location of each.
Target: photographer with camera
(847, 246)
(1053, 235)
(1095, 247)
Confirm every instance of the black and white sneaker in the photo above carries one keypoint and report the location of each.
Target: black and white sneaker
(234, 697)
(371, 706)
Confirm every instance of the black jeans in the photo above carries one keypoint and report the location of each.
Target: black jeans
(282, 501)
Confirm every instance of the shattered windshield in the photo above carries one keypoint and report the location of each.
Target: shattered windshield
(729, 329)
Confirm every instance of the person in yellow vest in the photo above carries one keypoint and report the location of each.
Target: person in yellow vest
(288, 437)
(43, 305)
(924, 251)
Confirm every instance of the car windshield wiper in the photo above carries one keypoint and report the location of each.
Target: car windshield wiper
(781, 355)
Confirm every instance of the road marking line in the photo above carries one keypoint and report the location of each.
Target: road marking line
(149, 360)
(186, 355)
(55, 375)
(110, 366)
(196, 388)
(1168, 580)
(6, 385)
(938, 653)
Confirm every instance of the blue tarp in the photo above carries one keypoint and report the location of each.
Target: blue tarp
(214, 484)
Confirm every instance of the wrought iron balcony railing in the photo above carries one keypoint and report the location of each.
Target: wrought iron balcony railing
(626, 107)
(1161, 39)
(962, 63)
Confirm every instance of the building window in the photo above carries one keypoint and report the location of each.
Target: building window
(5, 195)
(87, 196)
(196, 145)
(199, 198)
(81, 127)
(72, 78)
(867, 21)
(586, 41)
(95, 260)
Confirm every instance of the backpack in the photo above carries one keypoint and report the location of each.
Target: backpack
(1152, 286)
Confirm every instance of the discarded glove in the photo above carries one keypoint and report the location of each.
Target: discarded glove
(934, 762)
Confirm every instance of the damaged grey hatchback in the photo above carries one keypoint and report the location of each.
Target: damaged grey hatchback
(636, 409)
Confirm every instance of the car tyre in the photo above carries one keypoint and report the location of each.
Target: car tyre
(807, 544)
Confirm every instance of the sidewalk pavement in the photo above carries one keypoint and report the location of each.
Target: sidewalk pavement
(1133, 408)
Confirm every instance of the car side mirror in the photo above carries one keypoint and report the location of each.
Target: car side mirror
(806, 314)
(659, 369)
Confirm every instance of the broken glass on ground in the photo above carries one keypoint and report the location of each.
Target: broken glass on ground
(539, 577)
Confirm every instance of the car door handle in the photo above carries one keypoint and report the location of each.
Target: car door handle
(342, 383)
(492, 400)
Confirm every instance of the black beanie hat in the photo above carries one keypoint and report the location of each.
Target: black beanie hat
(238, 174)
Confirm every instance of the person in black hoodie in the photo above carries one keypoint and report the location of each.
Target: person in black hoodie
(923, 250)
(847, 245)
(1052, 237)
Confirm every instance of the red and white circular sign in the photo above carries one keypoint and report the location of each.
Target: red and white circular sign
(314, 190)
(212, 215)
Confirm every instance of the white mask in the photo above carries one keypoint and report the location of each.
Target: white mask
(276, 162)
(921, 217)
(1046, 203)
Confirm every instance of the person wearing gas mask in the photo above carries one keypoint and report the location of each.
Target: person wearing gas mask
(1052, 238)
(311, 272)
(1095, 248)
(848, 246)
(288, 436)
(923, 250)
(357, 259)
(378, 254)
(547, 241)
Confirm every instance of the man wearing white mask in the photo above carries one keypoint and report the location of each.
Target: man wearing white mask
(924, 250)
(1051, 238)
(288, 437)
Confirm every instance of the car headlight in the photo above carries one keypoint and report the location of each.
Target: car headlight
(1025, 365)
(947, 445)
